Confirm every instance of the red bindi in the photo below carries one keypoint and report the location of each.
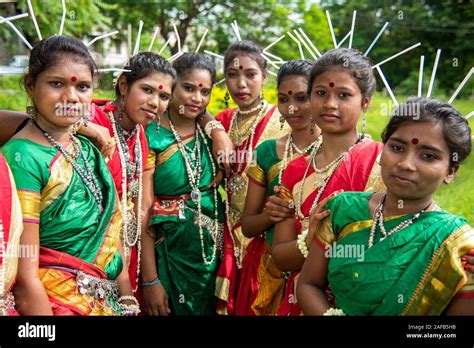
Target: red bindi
(200, 85)
(73, 78)
(414, 141)
(160, 86)
(331, 84)
(241, 67)
(290, 92)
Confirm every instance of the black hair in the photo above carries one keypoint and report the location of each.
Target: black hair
(295, 67)
(143, 64)
(190, 61)
(456, 130)
(248, 48)
(352, 60)
(47, 52)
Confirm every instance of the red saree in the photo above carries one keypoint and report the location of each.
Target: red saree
(359, 171)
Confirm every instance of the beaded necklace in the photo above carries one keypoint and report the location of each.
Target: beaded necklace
(194, 179)
(3, 309)
(131, 236)
(87, 176)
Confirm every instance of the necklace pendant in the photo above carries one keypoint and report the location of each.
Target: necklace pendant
(196, 195)
(236, 183)
(181, 214)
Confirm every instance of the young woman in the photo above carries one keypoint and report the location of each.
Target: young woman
(182, 250)
(251, 123)
(262, 284)
(410, 246)
(340, 86)
(68, 199)
(11, 228)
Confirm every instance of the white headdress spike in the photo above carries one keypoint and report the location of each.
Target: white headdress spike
(376, 39)
(164, 46)
(155, 33)
(113, 69)
(273, 43)
(331, 28)
(137, 41)
(63, 17)
(235, 28)
(214, 54)
(270, 61)
(33, 17)
(344, 39)
(309, 42)
(300, 38)
(201, 41)
(299, 44)
(420, 76)
(101, 37)
(175, 56)
(387, 86)
(272, 73)
(219, 82)
(352, 28)
(455, 94)
(469, 115)
(178, 39)
(396, 55)
(11, 25)
(433, 73)
(276, 58)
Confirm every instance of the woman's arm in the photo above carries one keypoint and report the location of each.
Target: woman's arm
(154, 296)
(312, 283)
(285, 251)
(30, 294)
(10, 120)
(255, 219)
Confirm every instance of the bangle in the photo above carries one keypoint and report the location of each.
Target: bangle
(129, 298)
(129, 310)
(211, 125)
(301, 243)
(151, 283)
(334, 312)
(156, 278)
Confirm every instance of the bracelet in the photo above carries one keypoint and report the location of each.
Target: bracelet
(301, 243)
(77, 126)
(152, 283)
(211, 125)
(130, 298)
(129, 310)
(334, 312)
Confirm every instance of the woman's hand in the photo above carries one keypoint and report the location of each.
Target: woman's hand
(222, 149)
(100, 137)
(155, 300)
(277, 208)
(468, 261)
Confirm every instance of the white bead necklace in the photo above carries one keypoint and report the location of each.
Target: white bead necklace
(130, 239)
(3, 257)
(378, 220)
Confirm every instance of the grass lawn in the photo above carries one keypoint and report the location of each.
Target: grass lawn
(457, 198)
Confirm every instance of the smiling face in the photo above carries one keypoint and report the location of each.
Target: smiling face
(192, 93)
(244, 80)
(293, 101)
(336, 101)
(147, 97)
(63, 92)
(415, 160)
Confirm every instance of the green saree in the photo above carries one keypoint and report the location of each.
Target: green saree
(180, 249)
(416, 271)
(75, 236)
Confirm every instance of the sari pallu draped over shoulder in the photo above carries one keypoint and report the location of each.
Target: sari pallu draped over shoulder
(416, 271)
(11, 227)
(180, 251)
(71, 225)
(359, 171)
(228, 278)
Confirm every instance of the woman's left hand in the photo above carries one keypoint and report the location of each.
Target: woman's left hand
(101, 138)
(468, 261)
(222, 149)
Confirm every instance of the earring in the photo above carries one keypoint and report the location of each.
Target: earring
(364, 123)
(282, 122)
(158, 123)
(262, 97)
(32, 112)
(311, 128)
(226, 99)
(86, 118)
(121, 109)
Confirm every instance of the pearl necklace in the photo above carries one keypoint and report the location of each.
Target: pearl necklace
(234, 122)
(288, 155)
(248, 112)
(3, 309)
(335, 164)
(378, 220)
(194, 180)
(87, 176)
(134, 238)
